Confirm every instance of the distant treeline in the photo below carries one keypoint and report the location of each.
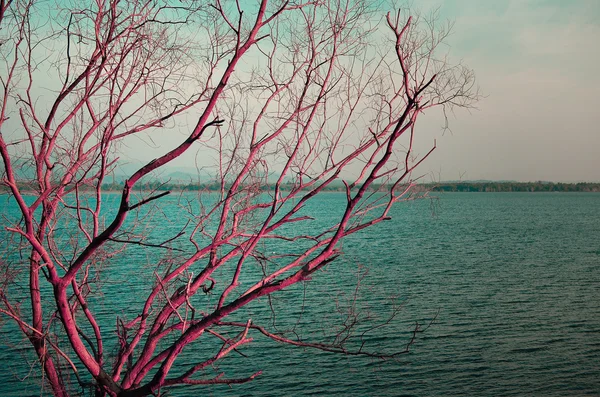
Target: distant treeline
(424, 187)
(435, 187)
(512, 187)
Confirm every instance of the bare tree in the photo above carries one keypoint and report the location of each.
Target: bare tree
(286, 97)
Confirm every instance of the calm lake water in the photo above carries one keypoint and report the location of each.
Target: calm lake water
(512, 280)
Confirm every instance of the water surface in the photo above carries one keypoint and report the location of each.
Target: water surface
(512, 280)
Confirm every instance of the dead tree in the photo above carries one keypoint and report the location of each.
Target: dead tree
(286, 97)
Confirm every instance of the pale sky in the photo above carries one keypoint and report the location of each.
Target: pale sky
(537, 62)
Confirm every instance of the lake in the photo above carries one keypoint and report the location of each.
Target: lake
(507, 285)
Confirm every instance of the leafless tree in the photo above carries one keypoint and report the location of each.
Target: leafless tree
(286, 97)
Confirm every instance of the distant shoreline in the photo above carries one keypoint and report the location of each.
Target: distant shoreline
(495, 187)
(463, 187)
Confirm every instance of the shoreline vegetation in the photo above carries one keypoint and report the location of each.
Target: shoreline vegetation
(474, 187)
(492, 186)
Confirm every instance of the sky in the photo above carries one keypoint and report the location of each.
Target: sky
(536, 63)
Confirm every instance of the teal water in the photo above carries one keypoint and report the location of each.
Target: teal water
(512, 280)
